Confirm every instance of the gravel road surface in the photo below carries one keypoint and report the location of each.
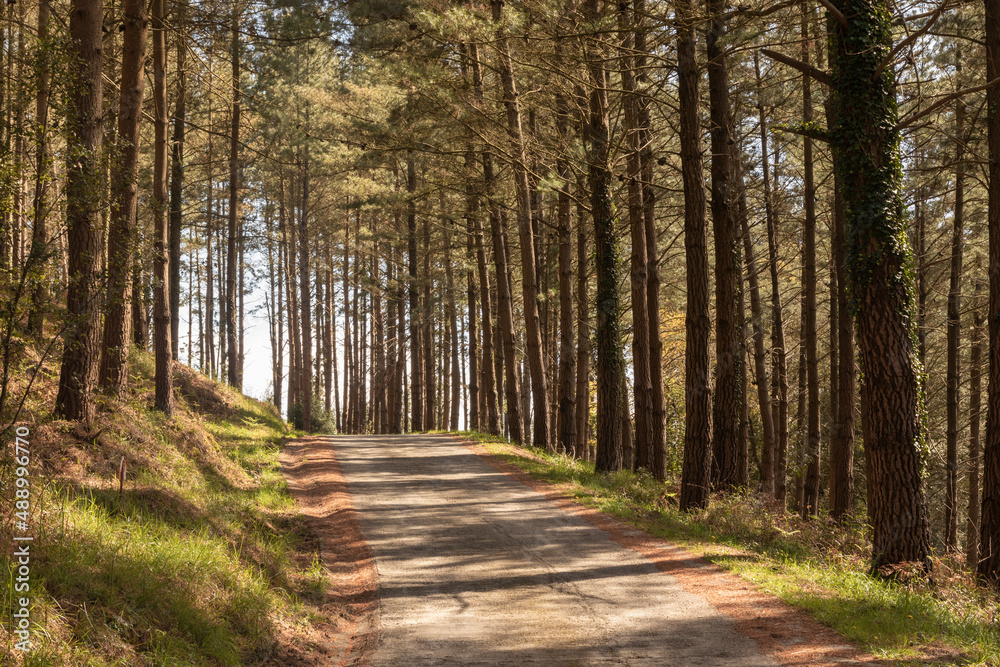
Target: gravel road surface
(474, 568)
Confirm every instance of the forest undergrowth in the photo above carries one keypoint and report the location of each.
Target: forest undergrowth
(816, 565)
(201, 559)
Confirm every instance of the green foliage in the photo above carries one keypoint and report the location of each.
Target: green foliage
(195, 564)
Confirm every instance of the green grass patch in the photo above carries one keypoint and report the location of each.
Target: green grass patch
(200, 560)
(815, 565)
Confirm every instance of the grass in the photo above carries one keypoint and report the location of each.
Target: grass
(814, 565)
(202, 560)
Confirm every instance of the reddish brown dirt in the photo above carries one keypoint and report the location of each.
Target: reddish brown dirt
(350, 601)
(790, 635)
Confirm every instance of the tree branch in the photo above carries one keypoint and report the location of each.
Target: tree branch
(917, 115)
(837, 14)
(894, 51)
(805, 68)
(811, 133)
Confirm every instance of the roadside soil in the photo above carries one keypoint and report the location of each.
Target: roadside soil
(438, 553)
(349, 634)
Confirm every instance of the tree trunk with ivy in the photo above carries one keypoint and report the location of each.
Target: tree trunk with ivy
(610, 357)
(880, 279)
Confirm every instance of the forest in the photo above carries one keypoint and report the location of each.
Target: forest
(745, 248)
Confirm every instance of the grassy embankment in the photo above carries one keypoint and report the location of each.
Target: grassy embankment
(813, 565)
(201, 561)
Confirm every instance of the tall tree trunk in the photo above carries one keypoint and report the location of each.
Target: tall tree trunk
(489, 384)
(305, 300)
(427, 337)
(209, 235)
(529, 284)
(505, 312)
(658, 404)
(399, 410)
(642, 386)
(696, 471)
(416, 363)
(125, 189)
(380, 406)
(177, 178)
(866, 141)
(234, 209)
(161, 258)
(757, 320)
(476, 418)
(955, 334)
(84, 135)
(292, 299)
(274, 315)
(329, 326)
(975, 404)
(726, 444)
(842, 433)
(452, 316)
(989, 535)
(339, 415)
(610, 358)
(779, 377)
(39, 233)
(810, 506)
(566, 433)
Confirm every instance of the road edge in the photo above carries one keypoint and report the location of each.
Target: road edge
(791, 636)
(316, 481)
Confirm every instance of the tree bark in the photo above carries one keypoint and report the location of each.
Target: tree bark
(696, 470)
(810, 504)
(642, 385)
(39, 232)
(161, 258)
(416, 364)
(842, 432)
(567, 435)
(658, 405)
(489, 384)
(234, 210)
(610, 358)
(866, 142)
(209, 263)
(452, 315)
(989, 535)
(505, 313)
(84, 136)
(779, 377)
(122, 233)
(582, 339)
(726, 444)
(757, 320)
(954, 335)
(975, 404)
(529, 285)
(177, 180)
(305, 298)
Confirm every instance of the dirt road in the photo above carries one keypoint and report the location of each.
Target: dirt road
(474, 568)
